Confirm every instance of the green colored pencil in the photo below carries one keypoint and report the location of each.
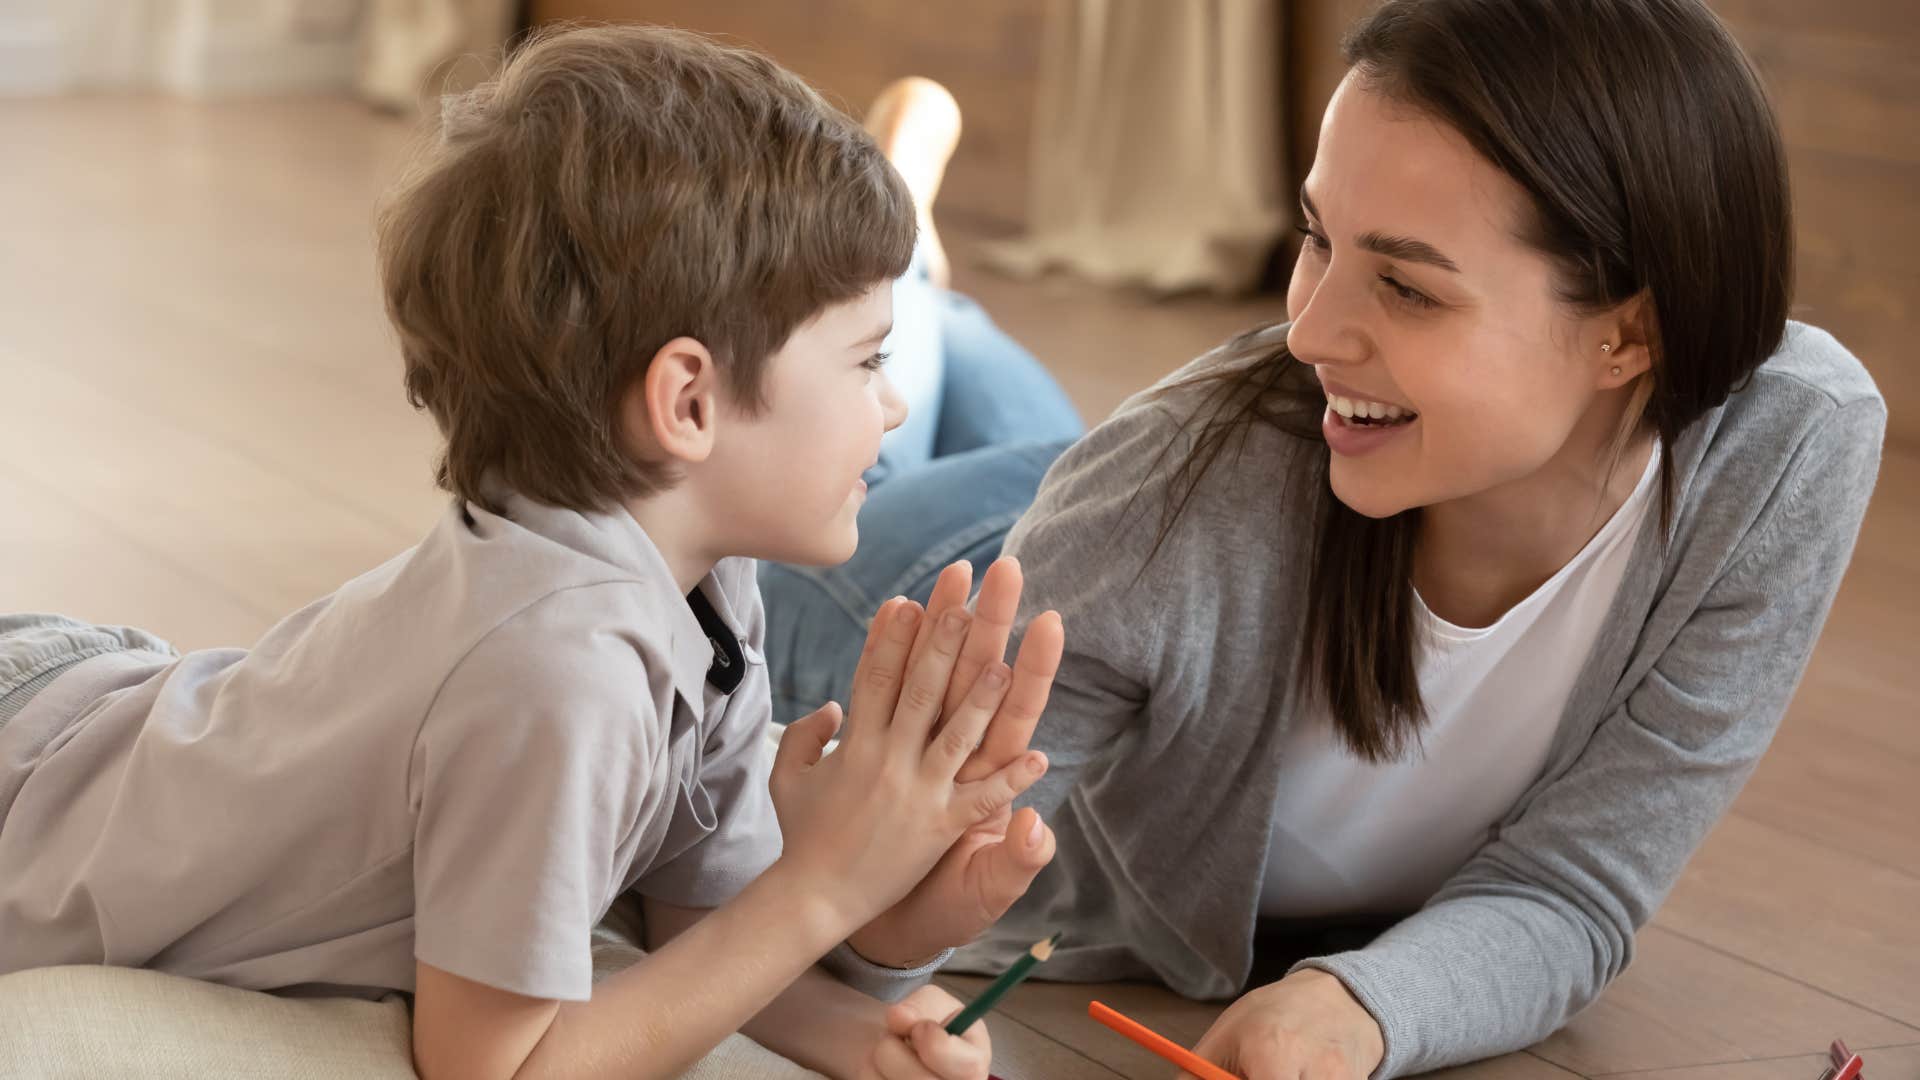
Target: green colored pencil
(1008, 979)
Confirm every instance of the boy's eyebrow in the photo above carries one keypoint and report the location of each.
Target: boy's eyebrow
(1404, 248)
(879, 335)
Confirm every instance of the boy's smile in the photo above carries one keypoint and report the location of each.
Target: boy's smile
(791, 478)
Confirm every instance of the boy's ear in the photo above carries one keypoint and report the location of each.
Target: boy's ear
(671, 409)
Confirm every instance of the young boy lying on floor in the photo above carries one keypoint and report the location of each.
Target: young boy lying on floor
(639, 281)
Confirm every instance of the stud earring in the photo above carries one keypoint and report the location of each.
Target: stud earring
(1616, 371)
(1606, 346)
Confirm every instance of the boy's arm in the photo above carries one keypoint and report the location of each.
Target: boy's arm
(659, 1016)
(817, 1021)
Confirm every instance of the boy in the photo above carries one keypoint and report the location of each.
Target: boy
(639, 283)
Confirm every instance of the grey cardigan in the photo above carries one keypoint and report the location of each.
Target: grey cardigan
(1176, 693)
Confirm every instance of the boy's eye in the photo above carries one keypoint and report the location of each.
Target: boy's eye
(876, 361)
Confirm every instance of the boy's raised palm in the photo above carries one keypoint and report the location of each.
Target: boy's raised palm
(865, 824)
(994, 862)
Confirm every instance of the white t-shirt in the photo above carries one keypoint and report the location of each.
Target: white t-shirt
(1355, 838)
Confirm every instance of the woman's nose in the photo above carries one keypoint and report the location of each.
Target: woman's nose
(1326, 329)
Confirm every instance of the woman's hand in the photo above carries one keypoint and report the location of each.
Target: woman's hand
(1306, 1025)
(917, 1047)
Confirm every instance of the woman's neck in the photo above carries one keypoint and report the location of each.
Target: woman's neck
(1478, 556)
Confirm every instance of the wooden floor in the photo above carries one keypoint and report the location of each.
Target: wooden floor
(202, 427)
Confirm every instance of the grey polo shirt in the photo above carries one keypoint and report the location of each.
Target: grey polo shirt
(462, 756)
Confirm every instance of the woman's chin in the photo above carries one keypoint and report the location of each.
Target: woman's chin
(1367, 499)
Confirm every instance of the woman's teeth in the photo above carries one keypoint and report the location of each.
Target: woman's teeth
(1369, 411)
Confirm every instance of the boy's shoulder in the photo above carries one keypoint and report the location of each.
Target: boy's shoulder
(580, 607)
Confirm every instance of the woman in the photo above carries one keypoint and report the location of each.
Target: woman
(1414, 645)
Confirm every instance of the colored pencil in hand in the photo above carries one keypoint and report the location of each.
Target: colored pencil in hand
(1008, 979)
(1159, 1044)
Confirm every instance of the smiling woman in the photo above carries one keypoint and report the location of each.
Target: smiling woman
(1414, 644)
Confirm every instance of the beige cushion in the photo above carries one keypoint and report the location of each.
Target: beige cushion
(101, 1023)
(87, 1022)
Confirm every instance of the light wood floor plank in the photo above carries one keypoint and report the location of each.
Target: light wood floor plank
(1682, 1003)
(56, 557)
(1891, 1063)
(1837, 922)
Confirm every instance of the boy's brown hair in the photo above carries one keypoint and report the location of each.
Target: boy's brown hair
(612, 189)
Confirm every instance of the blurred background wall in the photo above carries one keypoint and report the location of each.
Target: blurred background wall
(1844, 74)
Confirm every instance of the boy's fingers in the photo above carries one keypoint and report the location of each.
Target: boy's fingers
(878, 627)
(877, 683)
(944, 1054)
(900, 1019)
(949, 592)
(1033, 674)
(926, 686)
(804, 741)
(966, 724)
(993, 614)
(897, 1059)
(982, 799)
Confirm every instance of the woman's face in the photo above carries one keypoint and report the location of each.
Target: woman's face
(1416, 303)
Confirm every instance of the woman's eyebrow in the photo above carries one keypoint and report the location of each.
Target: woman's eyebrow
(1404, 248)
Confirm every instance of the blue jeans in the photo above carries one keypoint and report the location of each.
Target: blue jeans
(1001, 422)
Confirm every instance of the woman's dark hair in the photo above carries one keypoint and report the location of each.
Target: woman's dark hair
(1652, 163)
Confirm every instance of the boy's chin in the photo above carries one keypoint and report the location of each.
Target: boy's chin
(831, 548)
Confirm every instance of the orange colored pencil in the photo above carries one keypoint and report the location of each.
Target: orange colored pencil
(1159, 1044)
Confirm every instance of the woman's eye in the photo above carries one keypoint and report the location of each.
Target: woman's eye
(876, 361)
(1310, 239)
(1411, 296)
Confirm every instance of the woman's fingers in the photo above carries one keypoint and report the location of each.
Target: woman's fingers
(966, 723)
(1009, 867)
(1033, 674)
(993, 613)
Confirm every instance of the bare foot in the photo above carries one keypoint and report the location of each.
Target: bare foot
(917, 124)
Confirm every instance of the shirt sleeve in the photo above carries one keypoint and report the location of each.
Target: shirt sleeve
(727, 834)
(529, 772)
(1537, 924)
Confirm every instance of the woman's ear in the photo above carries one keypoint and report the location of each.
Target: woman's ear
(670, 410)
(1625, 349)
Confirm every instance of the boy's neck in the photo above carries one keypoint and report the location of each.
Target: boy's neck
(677, 529)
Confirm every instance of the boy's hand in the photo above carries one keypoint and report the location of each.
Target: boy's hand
(864, 824)
(992, 865)
(917, 1046)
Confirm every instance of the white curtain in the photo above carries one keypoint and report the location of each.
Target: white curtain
(418, 49)
(1158, 145)
(394, 53)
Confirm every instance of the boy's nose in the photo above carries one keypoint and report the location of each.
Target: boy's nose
(893, 407)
